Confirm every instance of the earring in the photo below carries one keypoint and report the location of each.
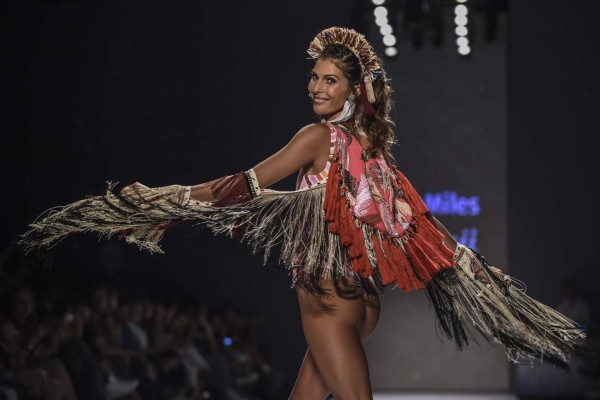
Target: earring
(310, 95)
(347, 111)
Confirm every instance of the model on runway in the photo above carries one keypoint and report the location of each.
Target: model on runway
(353, 226)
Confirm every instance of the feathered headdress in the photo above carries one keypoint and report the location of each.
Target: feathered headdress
(370, 63)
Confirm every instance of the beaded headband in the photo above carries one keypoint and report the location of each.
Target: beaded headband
(370, 63)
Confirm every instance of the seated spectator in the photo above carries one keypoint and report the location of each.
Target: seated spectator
(29, 345)
(101, 334)
(81, 363)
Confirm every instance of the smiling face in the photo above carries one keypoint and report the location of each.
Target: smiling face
(329, 89)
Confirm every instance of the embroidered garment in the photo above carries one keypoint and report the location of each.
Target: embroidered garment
(372, 190)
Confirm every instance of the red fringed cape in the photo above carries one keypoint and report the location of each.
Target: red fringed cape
(407, 261)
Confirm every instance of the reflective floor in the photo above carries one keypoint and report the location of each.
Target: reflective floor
(434, 396)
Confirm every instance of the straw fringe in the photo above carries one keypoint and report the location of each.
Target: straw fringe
(140, 218)
(294, 220)
(351, 39)
(526, 328)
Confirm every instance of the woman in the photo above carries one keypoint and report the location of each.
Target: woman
(353, 226)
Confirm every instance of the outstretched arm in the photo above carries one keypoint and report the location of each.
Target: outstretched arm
(452, 244)
(310, 146)
(449, 241)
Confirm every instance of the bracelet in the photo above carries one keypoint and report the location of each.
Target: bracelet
(253, 185)
(466, 260)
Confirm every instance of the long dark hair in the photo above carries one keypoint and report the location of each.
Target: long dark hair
(378, 127)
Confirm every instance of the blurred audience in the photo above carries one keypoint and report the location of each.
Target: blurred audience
(105, 345)
(573, 305)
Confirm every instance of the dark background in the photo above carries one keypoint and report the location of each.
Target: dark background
(191, 91)
(554, 160)
(554, 146)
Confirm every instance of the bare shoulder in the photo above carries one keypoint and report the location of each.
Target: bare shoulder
(316, 134)
(316, 130)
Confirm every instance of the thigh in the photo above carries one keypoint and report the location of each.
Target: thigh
(330, 327)
(348, 311)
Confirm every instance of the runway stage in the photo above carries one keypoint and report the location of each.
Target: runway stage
(436, 396)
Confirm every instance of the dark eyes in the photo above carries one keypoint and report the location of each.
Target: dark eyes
(314, 77)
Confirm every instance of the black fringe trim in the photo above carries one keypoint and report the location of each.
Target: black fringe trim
(445, 310)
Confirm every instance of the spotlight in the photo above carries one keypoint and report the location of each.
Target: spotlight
(383, 16)
(462, 41)
(461, 30)
(391, 51)
(386, 29)
(460, 20)
(381, 21)
(380, 12)
(389, 40)
(461, 9)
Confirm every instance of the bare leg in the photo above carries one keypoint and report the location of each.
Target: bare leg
(333, 322)
(309, 384)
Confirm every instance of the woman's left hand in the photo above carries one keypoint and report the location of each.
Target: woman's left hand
(498, 273)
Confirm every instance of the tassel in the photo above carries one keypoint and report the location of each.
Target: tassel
(402, 271)
(332, 198)
(382, 261)
(447, 314)
(370, 91)
(395, 273)
(417, 204)
(364, 99)
(422, 265)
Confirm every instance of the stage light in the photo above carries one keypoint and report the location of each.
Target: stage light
(391, 51)
(381, 21)
(380, 12)
(460, 20)
(389, 40)
(385, 29)
(461, 30)
(461, 9)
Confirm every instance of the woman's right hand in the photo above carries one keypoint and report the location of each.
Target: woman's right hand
(132, 189)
